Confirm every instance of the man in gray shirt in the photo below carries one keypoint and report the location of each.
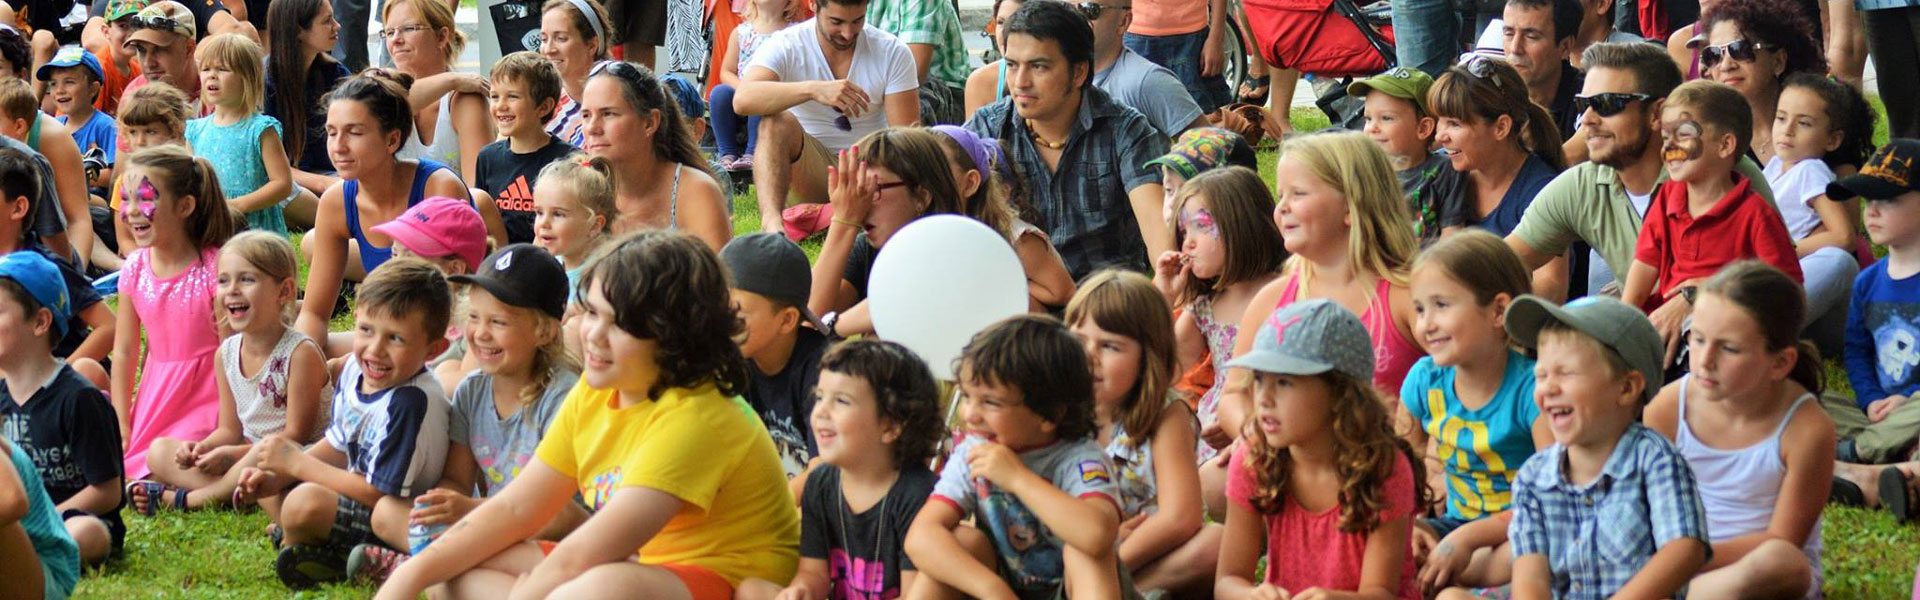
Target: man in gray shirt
(1131, 79)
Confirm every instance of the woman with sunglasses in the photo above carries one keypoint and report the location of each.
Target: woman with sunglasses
(1502, 146)
(574, 37)
(1753, 45)
(660, 179)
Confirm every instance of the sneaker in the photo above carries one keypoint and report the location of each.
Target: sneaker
(1845, 452)
(372, 563)
(301, 566)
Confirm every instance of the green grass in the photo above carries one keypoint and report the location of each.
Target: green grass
(216, 554)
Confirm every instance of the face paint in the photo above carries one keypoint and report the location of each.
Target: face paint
(1200, 221)
(1682, 141)
(142, 199)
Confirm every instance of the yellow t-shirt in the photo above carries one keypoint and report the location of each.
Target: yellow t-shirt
(709, 451)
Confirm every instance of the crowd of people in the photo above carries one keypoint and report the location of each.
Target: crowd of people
(1552, 324)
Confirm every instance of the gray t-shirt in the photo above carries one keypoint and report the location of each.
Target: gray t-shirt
(502, 446)
(1030, 548)
(1151, 89)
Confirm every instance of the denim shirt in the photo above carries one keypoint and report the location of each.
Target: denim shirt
(1596, 536)
(1083, 204)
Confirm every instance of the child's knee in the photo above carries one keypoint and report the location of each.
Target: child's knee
(308, 506)
(92, 370)
(756, 589)
(92, 536)
(1779, 562)
(162, 450)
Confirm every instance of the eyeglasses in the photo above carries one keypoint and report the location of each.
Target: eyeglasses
(1092, 10)
(1608, 104)
(154, 22)
(889, 185)
(387, 34)
(1740, 50)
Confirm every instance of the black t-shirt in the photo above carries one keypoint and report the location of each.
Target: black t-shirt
(860, 264)
(510, 176)
(72, 434)
(785, 400)
(322, 75)
(53, 16)
(854, 560)
(1565, 118)
(80, 296)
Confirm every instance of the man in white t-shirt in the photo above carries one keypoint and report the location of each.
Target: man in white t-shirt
(818, 87)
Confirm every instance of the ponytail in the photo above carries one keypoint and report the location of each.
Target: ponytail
(1808, 370)
(1483, 90)
(1542, 136)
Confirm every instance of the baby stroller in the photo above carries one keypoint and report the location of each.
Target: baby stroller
(1333, 40)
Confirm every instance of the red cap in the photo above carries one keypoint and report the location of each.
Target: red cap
(439, 227)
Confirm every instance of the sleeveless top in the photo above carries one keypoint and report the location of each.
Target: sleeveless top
(1393, 353)
(234, 152)
(261, 400)
(371, 256)
(1135, 488)
(1738, 488)
(1220, 338)
(1000, 85)
(445, 148)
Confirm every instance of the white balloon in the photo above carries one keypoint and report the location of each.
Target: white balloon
(941, 280)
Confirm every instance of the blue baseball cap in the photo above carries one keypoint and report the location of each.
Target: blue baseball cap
(42, 280)
(71, 56)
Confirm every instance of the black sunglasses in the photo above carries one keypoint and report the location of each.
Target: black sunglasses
(154, 22)
(1092, 10)
(1607, 104)
(1740, 50)
(1481, 67)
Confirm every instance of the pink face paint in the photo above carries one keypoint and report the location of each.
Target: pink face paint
(1200, 221)
(141, 200)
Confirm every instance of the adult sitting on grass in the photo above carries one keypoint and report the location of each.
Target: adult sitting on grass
(660, 177)
(452, 123)
(574, 37)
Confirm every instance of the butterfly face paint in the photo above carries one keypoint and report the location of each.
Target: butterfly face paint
(1682, 140)
(142, 198)
(1199, 221)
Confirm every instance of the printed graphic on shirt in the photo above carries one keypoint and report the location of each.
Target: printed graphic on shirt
(856, 578)
(58, 467)
(1895, 340)
(1467, 448)
(517, 197)
(600, 489)
(788, 441)
(501, 464)
(1031, 551)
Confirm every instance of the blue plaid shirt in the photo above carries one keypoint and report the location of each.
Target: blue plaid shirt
(1597, 536)
(1083, 204)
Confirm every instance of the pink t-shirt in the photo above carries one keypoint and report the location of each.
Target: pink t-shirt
(1307, 549)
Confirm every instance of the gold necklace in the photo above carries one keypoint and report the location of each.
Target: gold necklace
(1043, 142)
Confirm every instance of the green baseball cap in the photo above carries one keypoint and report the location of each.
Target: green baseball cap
(116, 9)
(1400, 82)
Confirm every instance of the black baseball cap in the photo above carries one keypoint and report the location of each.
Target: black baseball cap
(523, 275)
(1887, 175)
(770, 265)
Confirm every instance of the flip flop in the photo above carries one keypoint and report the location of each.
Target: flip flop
(1846, 493)
(1896, 494)
(1249, 96)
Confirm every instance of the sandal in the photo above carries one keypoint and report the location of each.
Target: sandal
(1255, 90)
(154, 491)
(1896, 494)
(1846, 493)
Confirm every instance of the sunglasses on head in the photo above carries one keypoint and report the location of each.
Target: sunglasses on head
(1481, 67)
(153, 22)
(1608, 104)
(1092, 10)
(1740, 50)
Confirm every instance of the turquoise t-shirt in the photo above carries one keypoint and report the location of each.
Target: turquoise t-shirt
(1482, 449)
(59, 557)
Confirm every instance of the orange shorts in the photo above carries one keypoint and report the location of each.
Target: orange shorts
(702, 583)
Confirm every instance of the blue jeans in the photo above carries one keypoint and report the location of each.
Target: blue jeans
(1426, 34)
(1181, 54)
(726, 123)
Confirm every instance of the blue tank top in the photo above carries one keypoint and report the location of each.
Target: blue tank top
(371, 256)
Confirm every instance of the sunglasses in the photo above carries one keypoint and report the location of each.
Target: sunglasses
(153, 22)
(1608, 104)
(1481, 67)
(1740, 50)
(1092, 10)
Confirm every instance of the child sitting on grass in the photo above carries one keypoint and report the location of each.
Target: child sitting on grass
(501, 409)
(48, 410)
(1397, 119)
(450, 235)
(686, 493)
(879, 422)
(242, 142)
(273, 381)
(1319, 472)
(151, 116)
(1030, 474)
(526, 88)
(770, 282)
(1608, 487)
(35, 552)
(387, 442)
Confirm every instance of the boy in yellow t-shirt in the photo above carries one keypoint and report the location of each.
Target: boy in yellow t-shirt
(687, 492)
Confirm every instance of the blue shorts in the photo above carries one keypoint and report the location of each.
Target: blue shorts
(1181, 54)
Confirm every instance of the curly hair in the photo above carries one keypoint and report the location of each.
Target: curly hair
(670, 288)
(903, 390)
(1366, 448)
(1039, 356)
(1779, 23)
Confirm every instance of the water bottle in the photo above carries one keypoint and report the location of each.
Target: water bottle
(418, 534)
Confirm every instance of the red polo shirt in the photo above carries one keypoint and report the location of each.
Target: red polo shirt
(1741, 225)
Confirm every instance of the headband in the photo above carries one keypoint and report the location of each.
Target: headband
(983, 151)
(593, 21)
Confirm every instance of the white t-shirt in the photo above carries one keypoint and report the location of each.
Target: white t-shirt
(1794, 191)
(881, 66)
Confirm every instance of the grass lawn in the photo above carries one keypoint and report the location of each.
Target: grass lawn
(222, 554)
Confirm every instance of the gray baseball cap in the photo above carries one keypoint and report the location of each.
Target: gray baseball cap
(1310, 338)
(769, 265)
(1622, 328)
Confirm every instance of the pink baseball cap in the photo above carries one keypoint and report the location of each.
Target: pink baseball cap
(440, 226)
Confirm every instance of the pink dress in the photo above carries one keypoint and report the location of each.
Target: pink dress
(1307, 549)
(176, 395)
(1393, 353)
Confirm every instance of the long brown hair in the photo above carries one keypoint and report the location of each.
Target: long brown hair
(1481, 262)
(673, 140)
(1126, 304)
(174, 170)
(1778, 305)
(287, 69)
(1497, 91)
(917, 157)
(1365, 448)
(1242, 207)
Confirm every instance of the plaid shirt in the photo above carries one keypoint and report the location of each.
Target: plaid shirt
(931, 22)
(1597, 536)
(1083, 205)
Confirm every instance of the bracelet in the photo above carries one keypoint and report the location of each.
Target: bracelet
(847, 223)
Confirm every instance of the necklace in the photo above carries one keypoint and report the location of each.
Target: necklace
(879, 528)
(1043, 142)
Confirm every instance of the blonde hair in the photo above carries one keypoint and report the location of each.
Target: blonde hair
(589, 179)
(270, 254)
(241, 56)
(548, 357)
(437, 16)
(1381, 237)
